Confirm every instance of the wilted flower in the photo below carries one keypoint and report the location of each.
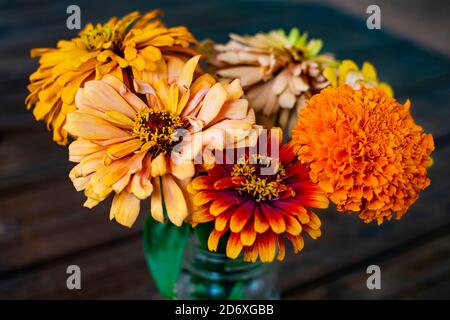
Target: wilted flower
(140, 42)
(126, 146)
(364, 150)
(278, 72)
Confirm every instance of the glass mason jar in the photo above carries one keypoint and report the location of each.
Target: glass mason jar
(210, 275)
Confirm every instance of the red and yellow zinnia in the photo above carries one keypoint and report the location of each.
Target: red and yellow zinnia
(364, 150)
(125, 145)
(256, 212)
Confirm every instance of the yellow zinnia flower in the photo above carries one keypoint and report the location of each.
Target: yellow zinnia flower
(348, 72)
(127, 146)
(141, 42)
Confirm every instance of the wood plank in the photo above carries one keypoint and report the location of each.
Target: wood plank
(34, 172)
(413, 272)
(46, 221)
(432, 110)
(436, 289)
(113, 271)
(30, 155)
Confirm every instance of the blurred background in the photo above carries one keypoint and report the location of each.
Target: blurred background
(44, 228)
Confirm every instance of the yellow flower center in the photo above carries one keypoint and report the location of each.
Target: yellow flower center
(158, 130)
(101, 37)
(256, 186)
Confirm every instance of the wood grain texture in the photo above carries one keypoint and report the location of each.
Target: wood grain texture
(400, 266)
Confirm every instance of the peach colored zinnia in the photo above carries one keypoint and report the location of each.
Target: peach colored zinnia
(364, 150)
(124, 145)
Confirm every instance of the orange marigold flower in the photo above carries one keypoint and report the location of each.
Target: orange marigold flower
(257, 212)
(125, 146)
(364, 150)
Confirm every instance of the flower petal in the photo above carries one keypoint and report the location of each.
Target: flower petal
(261, 224)
(234, 245)
(291, 206)
(292, 225)
(281, 248)
(201, 216)
(141, 185)
(204, 197)
(213, 102)
(297, 242)
(251, 253)
(222, 220)
(213, 240)
(156, 202)
(202, 182)
(174, 200)
(248, 234)
(224, 202)
(275, 218)
(185, 79)
(234, 110)
(234, 90)
(266, 246)
(102, 94)
(92, 128)
(241, 215)
(125, 208)
(182, 169)
(247, 75)
(81, 148)
(120, 150)
(159, 166)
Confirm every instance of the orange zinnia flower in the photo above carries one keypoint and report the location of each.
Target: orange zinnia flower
(257, 212)
(141, 43)
(125, 145)
(365, 151)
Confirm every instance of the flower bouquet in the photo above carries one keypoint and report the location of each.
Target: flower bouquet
(230, 150)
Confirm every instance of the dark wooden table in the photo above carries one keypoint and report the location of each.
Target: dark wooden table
(44, 228)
